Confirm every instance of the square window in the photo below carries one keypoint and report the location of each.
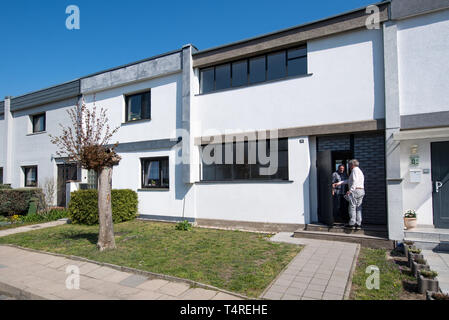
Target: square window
(257, 71)
(239, 73)
(155, 173)
(223, 77)
(276, 66)
(30, 176)
(207, 80)
(138, 106)
(38, 122)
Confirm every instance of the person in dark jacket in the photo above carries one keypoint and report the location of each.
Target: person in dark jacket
(339, 192)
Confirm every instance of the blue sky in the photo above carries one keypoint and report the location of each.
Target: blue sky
(38, 51)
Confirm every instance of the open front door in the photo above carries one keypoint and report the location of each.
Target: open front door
(440, 179)
(324, 170)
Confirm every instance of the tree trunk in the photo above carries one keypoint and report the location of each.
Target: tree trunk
(106, 238)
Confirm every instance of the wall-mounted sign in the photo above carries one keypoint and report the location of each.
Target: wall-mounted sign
(414, 160)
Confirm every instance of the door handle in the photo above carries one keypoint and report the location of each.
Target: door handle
(438, 185)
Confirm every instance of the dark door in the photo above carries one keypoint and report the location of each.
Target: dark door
(66, 172)
(324, 172)
(440, 180)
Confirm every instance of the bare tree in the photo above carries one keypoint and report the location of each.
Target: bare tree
(86, 142)
(49, 190)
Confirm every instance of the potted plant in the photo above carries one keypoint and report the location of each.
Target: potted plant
(410, 220)
(437, 295)
(419, 264)
(427, 281)
(413, 254)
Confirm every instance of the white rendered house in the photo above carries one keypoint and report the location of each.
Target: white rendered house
(330, 91)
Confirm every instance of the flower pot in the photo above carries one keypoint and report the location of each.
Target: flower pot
(410, 223)
(417, 267)
(425, 284)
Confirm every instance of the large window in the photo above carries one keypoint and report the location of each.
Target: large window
(246, 163)
(271, 66)
(155, 173)
(38, 122)
(138, 106)
(30, 176)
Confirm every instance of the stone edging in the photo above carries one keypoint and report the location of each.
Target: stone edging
(150, 275)
(351, 274)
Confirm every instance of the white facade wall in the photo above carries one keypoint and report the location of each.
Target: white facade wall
(2, 143)
(36, 149)
(165, 109)
(273, 202)
(346, 84)
(423, 51)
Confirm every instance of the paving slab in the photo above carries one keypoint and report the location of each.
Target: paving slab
(320, 271)
(7, 232)
(42, 276)
(439, 261)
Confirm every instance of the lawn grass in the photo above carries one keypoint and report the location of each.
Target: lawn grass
(241, 262)
(391, 278)
(17, 225)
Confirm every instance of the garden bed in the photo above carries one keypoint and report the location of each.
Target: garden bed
(242, 262)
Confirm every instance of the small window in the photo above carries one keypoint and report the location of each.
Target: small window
(207, 80)
(38, 122)
(276, 66)
(239, 73)
(297, 61)
(30, 176)
(155, 173)
(1, 175)
(223, 77)
(138, 106)
(257, 70)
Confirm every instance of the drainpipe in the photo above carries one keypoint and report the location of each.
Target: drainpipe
(392, 126)
(9, 148)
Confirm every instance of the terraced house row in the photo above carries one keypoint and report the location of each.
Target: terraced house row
(332, 90)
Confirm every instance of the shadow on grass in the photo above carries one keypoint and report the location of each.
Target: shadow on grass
(91, 237)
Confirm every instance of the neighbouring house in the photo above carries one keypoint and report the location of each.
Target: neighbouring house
(330, 91)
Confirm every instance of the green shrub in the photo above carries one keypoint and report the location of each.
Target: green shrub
(17, 201)
(5, 186)
(46, 216)
(183, 226)
(83, 206)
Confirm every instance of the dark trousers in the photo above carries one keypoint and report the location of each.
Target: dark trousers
(340, 208)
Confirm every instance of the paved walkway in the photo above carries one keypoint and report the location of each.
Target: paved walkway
(439, 261)
(31, 275)
(7, 232)
(321, 271)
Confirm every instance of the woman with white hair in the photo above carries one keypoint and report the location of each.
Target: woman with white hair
(356, 183)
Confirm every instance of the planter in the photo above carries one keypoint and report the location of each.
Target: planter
(425, 284)
(418, 267)
(412, 257)
(410, 223)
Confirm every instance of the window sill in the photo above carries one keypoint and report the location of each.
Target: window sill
(135, 122)
(245, 181)
(153, 189)
(256, 84)
(36, 133)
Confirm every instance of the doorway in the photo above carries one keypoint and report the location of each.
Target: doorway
(440, 181)
(66, 172)
(331, 207)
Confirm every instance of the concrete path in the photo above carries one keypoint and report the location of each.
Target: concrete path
(321, 271)
(439, 261)
(30, 275)
(7, 232)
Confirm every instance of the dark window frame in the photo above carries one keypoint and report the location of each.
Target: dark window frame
(1, 175)
(234, 168)
(35, 116)
(127, 98)
(143, 168)
(25, 176)
(265, 56)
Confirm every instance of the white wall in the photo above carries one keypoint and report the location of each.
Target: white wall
(418, 196)
(274, 202)
(2, 142)
(165, 109)
(36, 149)
(175, 202)
(346, 85)
(423, 52)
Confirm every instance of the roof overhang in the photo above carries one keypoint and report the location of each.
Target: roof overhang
(434, 133)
